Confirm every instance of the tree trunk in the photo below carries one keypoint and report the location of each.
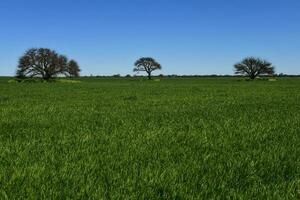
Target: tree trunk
(149, 76)
(252, 76)
(46, 77)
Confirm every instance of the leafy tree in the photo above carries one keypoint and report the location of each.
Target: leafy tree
(42, 62)
(253, 67)
(73, 68)
(147, 65)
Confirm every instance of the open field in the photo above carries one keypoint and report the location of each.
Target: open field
(177, 138)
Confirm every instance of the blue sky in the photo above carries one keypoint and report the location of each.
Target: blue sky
(185, 36)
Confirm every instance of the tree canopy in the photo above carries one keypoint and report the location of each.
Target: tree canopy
(46, 64)
(253, 67)
(73, 68)
(146, 64)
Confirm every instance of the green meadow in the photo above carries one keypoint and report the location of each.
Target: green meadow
(169, 138)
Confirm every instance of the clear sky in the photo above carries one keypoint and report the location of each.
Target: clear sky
(185, 36)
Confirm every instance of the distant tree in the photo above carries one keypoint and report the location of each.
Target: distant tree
(281, 74)
(147, 65)
(42, 62)
(253, 67)
(73, 69)
(116, 75)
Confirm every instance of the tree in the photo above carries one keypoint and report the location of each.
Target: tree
(73, 68)
(147, 65)
(42, 62)
(254, 67)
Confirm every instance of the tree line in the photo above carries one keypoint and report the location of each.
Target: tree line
(48, 64)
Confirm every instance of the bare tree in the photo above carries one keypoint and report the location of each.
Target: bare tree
(147, 65)
(73, 68)
(42, 62)
(253, 67)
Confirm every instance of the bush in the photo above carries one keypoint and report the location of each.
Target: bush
(13, 81)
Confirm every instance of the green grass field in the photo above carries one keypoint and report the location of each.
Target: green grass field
(177, 138)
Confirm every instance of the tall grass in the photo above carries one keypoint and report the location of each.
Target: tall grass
(180, 138)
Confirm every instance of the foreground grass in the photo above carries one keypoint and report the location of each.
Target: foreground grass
(130, 139)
